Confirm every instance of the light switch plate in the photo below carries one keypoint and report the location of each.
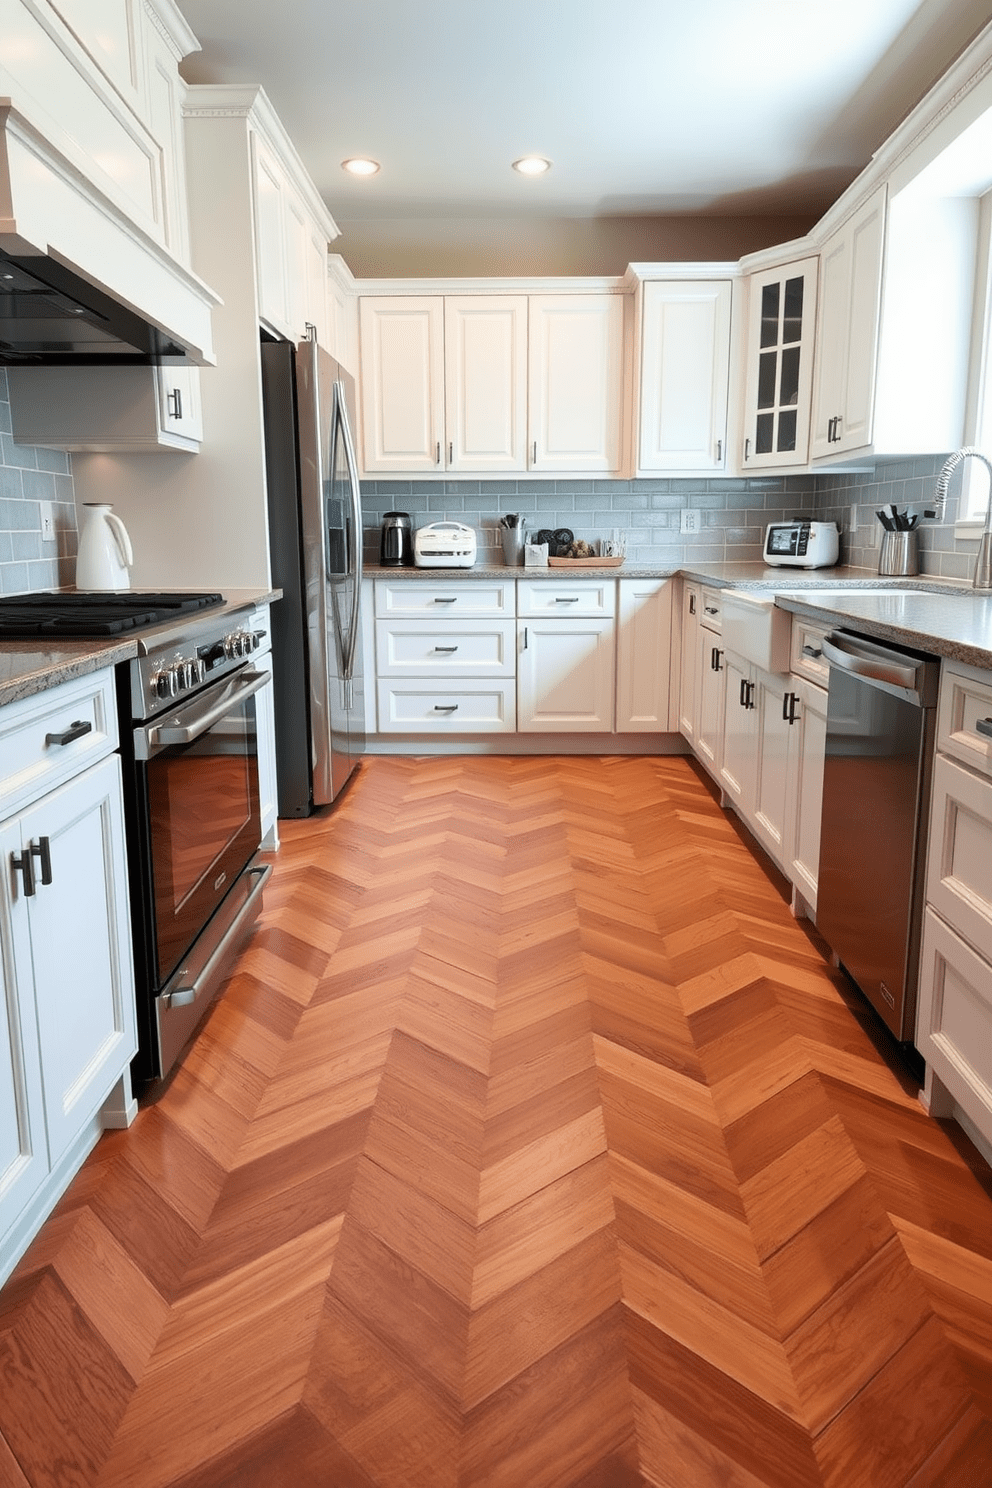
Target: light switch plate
(47, 520)
(688, 520)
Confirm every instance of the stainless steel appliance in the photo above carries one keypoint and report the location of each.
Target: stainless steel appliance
(315, 537)
(189, 759)
(801, 544)
(881, 713)
(396, 540)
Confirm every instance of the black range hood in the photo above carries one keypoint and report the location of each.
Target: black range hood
(51, 316)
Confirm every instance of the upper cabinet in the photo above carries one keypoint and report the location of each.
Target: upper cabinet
(781, 317)
(576, 366)
(466, 384)
(292, 237)
(850, 285)
(685, 372)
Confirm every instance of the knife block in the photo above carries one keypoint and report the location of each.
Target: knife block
(899, 554)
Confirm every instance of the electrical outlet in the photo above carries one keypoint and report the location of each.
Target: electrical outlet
(689, 520)
(47, 521)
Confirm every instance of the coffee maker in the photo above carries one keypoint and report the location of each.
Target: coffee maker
(396, 540)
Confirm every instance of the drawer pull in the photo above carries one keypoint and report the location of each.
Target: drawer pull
(445, 707)
(984, 726)
(446, 599)
(43, 852)
(711, 609)
(21, 863)
(813, 651)
(445, 648)
(74, 731)
(566, 599)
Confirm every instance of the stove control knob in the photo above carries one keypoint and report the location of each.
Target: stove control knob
(166, 683)
(186, 674)
(198, 668)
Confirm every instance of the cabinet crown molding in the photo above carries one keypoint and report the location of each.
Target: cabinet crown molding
(172, 26)
(575, 285)
(249, 101)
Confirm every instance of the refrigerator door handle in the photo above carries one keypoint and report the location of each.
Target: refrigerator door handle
(355, 556)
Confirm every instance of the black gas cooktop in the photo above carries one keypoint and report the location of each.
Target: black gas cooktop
(91, 614)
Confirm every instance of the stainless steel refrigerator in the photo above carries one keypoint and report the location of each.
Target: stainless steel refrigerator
(315, 540)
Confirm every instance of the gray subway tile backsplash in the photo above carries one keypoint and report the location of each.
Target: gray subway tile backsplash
(28, 476)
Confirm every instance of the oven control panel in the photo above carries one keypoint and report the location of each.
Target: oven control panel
(175, 667)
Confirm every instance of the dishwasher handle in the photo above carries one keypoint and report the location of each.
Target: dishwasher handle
(873, 663)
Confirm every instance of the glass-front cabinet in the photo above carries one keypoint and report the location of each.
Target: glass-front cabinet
(782, 310)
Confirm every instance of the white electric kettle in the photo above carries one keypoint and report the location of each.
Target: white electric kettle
(104, 555)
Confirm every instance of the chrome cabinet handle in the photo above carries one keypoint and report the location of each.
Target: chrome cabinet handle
(74, 731)
(437, 453)
(174, 402)
(445, 648)
(747, 449)
(566, 599)
(451, 451)
(534, 457)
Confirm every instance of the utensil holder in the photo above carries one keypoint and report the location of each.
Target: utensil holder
(513, 545)
(899, 554)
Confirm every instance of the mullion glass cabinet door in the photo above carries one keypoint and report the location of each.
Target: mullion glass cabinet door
(780, 365)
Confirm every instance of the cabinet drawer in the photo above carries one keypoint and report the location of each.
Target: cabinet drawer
(959, 862)
(711, 609)
(807, 658)
(473, 648)
(563, 597)
(477, 707)
(954, 1022)
(82, 711)
(439, 598)
(965, 703)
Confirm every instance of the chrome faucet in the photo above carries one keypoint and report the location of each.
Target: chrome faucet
(983, 564)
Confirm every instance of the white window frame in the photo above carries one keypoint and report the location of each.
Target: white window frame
(974, 499)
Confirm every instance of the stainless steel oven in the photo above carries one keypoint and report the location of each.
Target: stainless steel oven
(192, 801)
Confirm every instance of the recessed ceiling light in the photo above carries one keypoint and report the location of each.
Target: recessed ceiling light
(360, 167)
(532, 165)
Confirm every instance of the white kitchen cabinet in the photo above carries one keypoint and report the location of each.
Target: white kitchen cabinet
(565, 671)
(710, 683)
(402, 383)
(644, 644)
(445, 656)
(576, 383)
(485, 382)
(114, 410)
(756, 749)
(685, 374)
(690, 669)
(779, 352)
(68, 1018)
(849, 297)
(291, 243)
(444, 383)
(807, 746)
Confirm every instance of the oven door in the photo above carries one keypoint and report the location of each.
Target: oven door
(198, 779)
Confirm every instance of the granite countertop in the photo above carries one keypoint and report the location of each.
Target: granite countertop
(30, 666)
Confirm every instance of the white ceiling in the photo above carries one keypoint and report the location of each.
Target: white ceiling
(646, 107)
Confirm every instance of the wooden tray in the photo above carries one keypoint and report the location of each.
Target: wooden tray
(584, 562)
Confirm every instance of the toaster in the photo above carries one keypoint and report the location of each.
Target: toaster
(801, 544)
(444, 545)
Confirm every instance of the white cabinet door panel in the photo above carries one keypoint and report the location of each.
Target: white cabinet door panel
(429, 707)
(576, 382)
(809, 742)
(565, 676)
(959, 862)
(485, 382)
(477, 648)
(402, 379)
(644, 643)
(954, 1019)
(685, 373)
(80, 949)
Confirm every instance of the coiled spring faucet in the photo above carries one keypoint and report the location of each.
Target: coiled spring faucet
(983, 564)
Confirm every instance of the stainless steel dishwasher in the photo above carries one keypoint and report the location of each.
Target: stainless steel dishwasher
(881, 717)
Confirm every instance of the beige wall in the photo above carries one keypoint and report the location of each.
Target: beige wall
(466, 246)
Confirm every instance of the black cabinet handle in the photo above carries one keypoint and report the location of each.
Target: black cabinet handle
(812, 651)
(43, 852)
(175, 401)
(445, 707)
(752, 688)
(445, 648)
(984, 726)
(74, 731)
(790, 703)
(692, 604)
(743, 696)
(715, 655)
(21, 863)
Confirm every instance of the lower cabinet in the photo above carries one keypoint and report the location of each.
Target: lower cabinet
(954, 1016)
(67, 1012)
(526, 655)
(565, 675)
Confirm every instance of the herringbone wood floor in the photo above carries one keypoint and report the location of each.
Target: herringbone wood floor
(532, 1145)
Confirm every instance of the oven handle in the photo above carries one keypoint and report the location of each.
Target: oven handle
(157, 735)
(182, 996)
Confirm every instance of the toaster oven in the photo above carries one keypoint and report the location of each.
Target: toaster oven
(801, 544)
